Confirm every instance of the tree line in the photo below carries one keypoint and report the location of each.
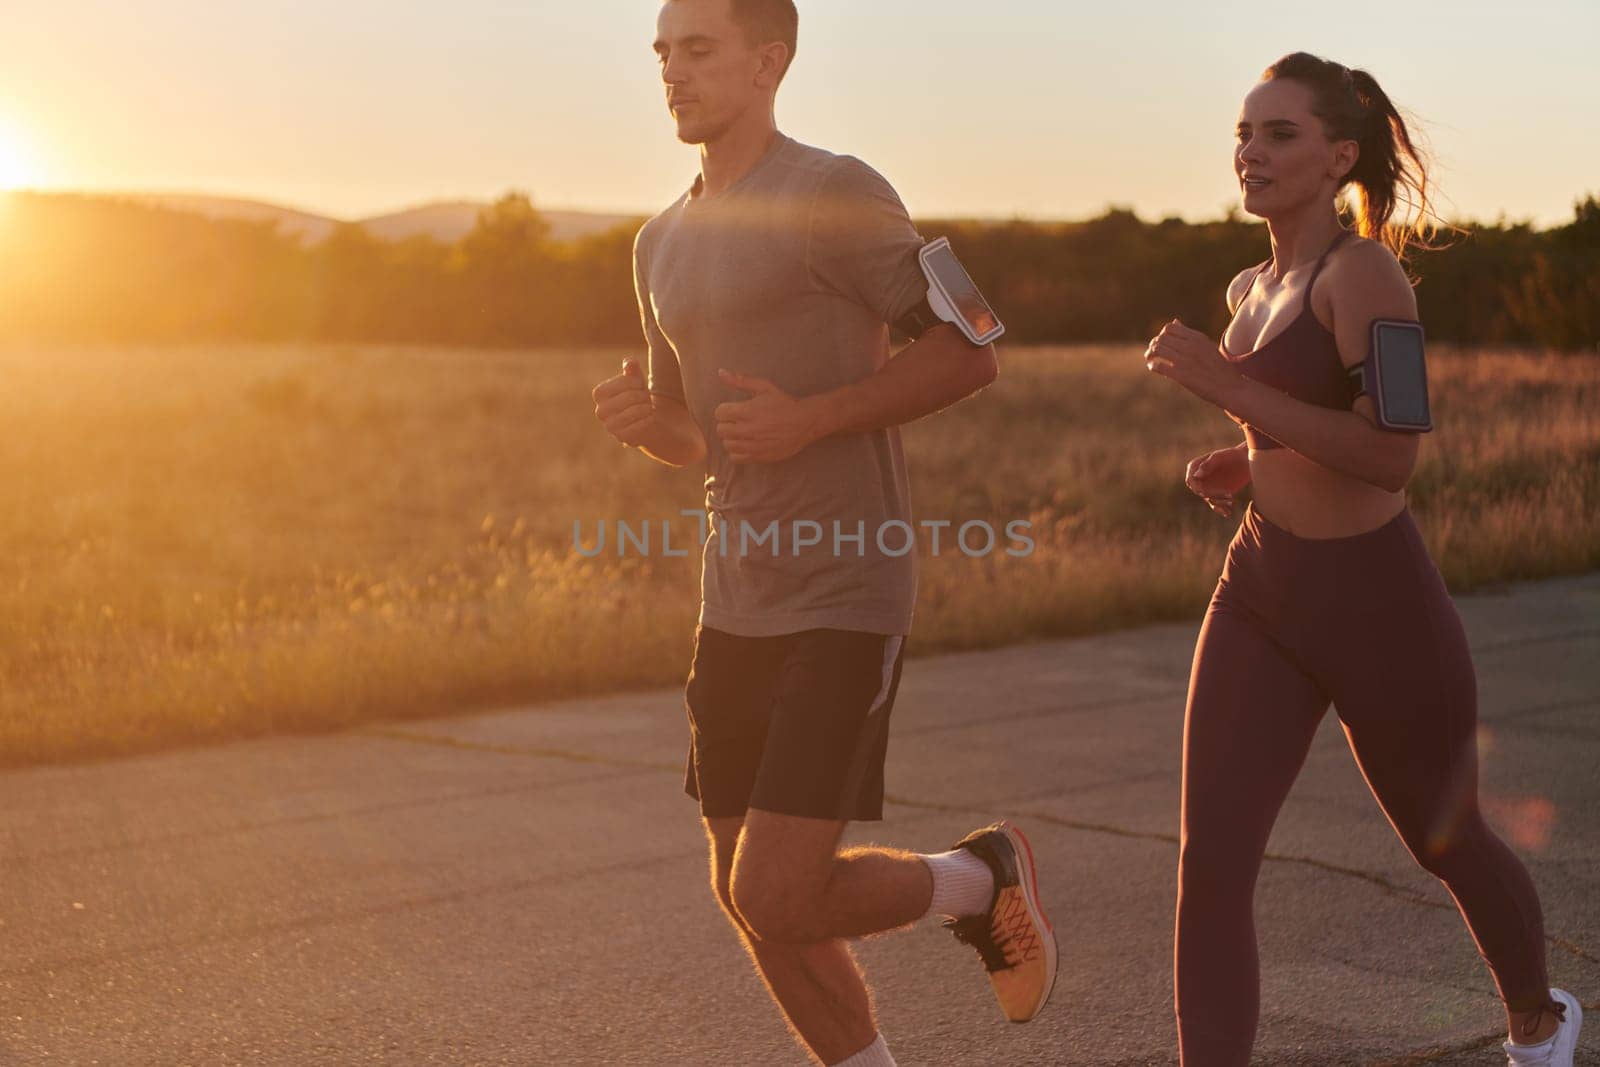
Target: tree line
(82, 268)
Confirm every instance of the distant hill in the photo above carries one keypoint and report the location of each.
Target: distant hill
(444, 220)
(450, 220)
(301, 223)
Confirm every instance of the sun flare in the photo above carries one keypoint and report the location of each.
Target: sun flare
(16, 165)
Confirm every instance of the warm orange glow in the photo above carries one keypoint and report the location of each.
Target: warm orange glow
(1526, 820)
(17, 167)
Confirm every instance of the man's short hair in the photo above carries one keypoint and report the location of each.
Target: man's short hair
(765, 21)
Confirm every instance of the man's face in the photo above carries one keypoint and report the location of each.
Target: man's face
(712, 74)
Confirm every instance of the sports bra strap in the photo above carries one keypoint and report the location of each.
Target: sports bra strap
(1261, 267)
(1322, 262)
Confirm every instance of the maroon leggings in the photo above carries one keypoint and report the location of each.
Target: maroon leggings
(1363, 622)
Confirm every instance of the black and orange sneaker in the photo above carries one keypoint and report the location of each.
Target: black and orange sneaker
(1013, 938)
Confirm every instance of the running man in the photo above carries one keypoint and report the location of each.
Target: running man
(766, 292)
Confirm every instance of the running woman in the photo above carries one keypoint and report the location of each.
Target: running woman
(1328, 594)
(766, 293)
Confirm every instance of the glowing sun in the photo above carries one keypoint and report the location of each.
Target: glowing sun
(16, 166)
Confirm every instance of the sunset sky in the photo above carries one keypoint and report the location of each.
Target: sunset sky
(1014, 107)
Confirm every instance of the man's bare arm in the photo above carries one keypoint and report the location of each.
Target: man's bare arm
(929, 375)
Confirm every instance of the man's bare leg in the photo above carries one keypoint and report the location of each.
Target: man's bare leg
(791, 885)
(788, 887)
(796, 899)
(816, 981)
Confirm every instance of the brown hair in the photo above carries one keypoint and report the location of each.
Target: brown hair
(765, 21)
(1390, 170)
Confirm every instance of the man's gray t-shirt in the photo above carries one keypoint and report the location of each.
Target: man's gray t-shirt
(792, 274)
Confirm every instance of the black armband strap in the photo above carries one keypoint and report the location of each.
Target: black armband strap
(918, 321)
(1357, 377)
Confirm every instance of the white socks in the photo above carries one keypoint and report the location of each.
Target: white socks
(874, 1055)
(962, 884)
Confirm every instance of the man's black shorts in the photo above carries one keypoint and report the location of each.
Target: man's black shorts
(796, 724)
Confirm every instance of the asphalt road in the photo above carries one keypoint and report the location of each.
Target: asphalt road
(529, 886)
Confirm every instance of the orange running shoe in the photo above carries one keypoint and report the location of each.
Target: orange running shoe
(1013, 938)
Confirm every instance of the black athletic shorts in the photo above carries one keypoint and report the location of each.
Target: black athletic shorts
(796, 724)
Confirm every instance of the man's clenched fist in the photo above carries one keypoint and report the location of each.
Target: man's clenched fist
(622, 404)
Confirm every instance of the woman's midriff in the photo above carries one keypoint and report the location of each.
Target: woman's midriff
(1311, 501)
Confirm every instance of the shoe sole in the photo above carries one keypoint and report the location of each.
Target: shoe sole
(1029, 884)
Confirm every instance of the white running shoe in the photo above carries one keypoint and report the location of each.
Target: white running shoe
(1558, 1051)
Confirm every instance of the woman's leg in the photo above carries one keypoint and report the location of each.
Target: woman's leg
(1408, 699)
(1251, 716)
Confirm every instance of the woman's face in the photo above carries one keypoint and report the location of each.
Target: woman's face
(1282, 155)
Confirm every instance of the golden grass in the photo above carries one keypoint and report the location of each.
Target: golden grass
(209, 543)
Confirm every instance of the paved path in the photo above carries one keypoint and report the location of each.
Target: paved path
(529, 886)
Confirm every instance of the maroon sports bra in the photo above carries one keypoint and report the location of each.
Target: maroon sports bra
(1302, 361)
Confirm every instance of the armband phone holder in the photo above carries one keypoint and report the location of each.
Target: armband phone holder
(953, 297)
(1395, 375)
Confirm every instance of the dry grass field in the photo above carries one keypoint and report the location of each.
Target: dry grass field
(216, 542)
